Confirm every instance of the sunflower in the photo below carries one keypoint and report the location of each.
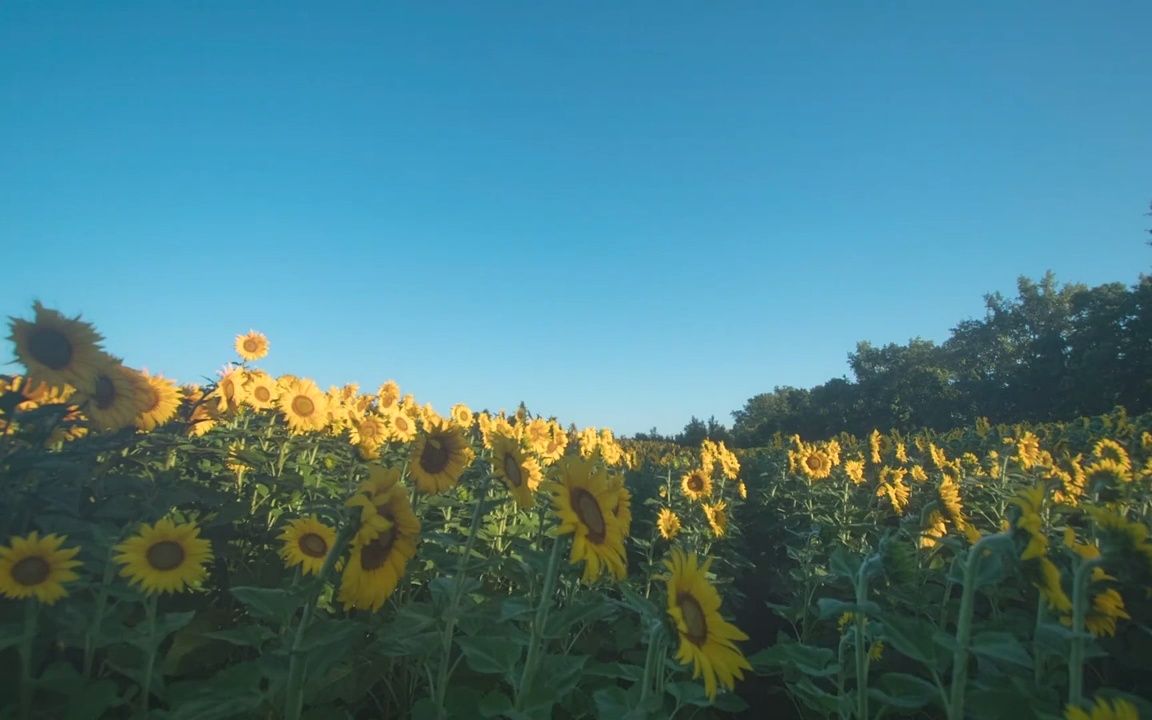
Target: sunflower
(874, 447)
(1107, 472)
(742, 490)
(165, 557)
(387, 395)
(369, 429)
(55, 349)
(623, 509)
(854, 469)
(696, 485)
(401, 427)
(307, 542)
(113, 396)
(261, 390)
(304, 406)
(163, 401)
(252, 346)
(1104, 709)
(1028, 450)
(717, 514)
(34, 566)
(584, 499)
(519, 470)
(948, 495)
(816, 463)
(893, 488)
(918, 474)
(707, 640)
(203, 415)
(462, 415)
(439, 456)
(1111, 450)
(668, 524)
(382, 548)
(934, 529)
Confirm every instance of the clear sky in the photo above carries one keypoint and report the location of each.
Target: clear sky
(623, 213)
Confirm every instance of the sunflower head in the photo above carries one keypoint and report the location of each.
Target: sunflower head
(439, 456)
(162, 401)
(165, 557)
(380, 552)
(668, 524)
(113, 396)
(696, 485)
(519, 471)
(307, 543)
(252, 345)
(56, 350)
(585, 500)
(304, 406)
(35, 566)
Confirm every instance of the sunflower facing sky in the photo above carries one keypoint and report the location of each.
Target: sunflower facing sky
(252, 345)
(707, 640)
(34, 566)
(56, 350)
(439, 456)
(165, 557)
(585, 501)
(307, 542)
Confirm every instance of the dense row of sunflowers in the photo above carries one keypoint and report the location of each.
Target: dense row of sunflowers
(360, 553)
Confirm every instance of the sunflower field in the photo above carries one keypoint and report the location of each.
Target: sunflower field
(259, 547)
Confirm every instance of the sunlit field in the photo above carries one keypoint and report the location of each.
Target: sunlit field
(261, 547)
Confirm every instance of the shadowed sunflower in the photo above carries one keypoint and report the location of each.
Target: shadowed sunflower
(1107, 449)
(34, 566)
(623, 509)
(707, 640)
(307, 542)
(165, 557)
(161, 402)
(892, 488)
(696, 485)
(252, 345)
(55, 349)
(584, 500)
(1104, 709)
(668, 524)
(519, 471)
(114, 395)
(304, 406)
(717, 514)
(383, 546)
(439, 456)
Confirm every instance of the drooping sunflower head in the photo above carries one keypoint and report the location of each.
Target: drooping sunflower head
(1113, 451)
(35, 566)
(1106, 474)
(307, 543)
(113, 396)
(165, 557)
(1028, 450)
(162, 401)
(585, 500)
(707, 640)
(252, 345)
(304, 406)
(56, 350)
(1124, 543)
(696, 485)
(717, 514)
(519, 471)
(381, 550)
(439, 456)
(668, 524)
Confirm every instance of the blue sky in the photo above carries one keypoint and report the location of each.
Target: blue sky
(623, 213)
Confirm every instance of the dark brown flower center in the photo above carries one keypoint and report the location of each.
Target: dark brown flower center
(262, 394)
(50, 347)
(695, 483)
(697, 625)
(813, 462)
(105, 394)
(512, 470)
(165, 555)
(588, 510)
(375, 554)
(31, 571)
(435, 455)
(252, 345)
(313, 545)
(303, 406)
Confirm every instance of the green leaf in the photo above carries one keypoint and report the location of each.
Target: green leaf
(561, 623)
(273, 604)
(615, 670)
(1001, 646)
(243, 635)
(94, 701)
(495, 704)
(11, 635)
(555, 678)
(785, 656)
(490, 654)
(829, 608)
(232, 692)
(904, 691)
(844, 564)
(912, 638)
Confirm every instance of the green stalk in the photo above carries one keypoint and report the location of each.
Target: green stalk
(443, 672)
(153, 647)
(1079, 611)
(1037, 659)
(650, 662)
(31, 613)
(536, 641)
(861, 652)
(964, 628)
(101, 604)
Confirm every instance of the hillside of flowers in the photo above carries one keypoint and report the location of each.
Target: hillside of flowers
(261, 547)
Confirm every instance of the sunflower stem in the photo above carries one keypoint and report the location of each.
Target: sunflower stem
(964, 627)
(31, 614)
(650, 661)
(1079, 611)
(101, 604)
(535, 641)
(150, 663)
(861, 657)
(444, 670)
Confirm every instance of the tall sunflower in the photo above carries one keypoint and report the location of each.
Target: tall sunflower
(34, 566)
(382, 548)
(307, 542)
(56, 350)
(439, 456)
(519, 471)
(252, 345)
(165, 557)
(585, 499)
(162, 401)
(707, 640)
(304, 406)
(696, 485)
(113, 396)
